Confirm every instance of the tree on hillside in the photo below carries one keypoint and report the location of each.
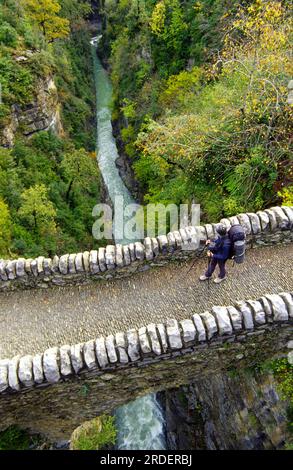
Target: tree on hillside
(79, 168)
(37, 211)
(75, 10)
(5, 228)
(169, 30)
(45, 14)
(231, 133)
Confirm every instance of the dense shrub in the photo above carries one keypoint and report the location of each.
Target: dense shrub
(14, 438)
(8, 35)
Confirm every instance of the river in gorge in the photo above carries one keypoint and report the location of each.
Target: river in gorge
(140, 423)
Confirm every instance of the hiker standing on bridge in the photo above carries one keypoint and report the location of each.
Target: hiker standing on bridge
(218, 253)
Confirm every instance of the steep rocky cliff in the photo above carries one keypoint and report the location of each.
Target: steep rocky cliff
(226, 411)
(42, 113)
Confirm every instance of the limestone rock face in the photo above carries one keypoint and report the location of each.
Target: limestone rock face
(219, 411)
(43, 113)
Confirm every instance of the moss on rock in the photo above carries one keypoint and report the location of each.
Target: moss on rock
(95, 434)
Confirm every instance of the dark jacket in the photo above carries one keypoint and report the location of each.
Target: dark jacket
(220, 247)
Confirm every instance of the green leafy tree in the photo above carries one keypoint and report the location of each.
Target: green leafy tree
(8, 35)
(79, 169)
(37, 211)
(45, 14)
(5, 228)
(167, 22)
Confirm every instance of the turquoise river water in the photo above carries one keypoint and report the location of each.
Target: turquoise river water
(140, 423)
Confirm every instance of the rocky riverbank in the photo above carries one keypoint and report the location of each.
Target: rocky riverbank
(226, 411)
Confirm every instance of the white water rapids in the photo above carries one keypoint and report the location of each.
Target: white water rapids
(140, 423)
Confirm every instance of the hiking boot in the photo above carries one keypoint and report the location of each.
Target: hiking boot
(219, 279)
(203, 277)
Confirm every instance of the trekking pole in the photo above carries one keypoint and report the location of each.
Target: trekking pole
(209, 261)
(193, 264)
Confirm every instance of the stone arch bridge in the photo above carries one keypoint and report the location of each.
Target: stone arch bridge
(84, 333)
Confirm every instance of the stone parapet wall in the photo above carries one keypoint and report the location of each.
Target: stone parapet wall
(270, 226)
(148, 344)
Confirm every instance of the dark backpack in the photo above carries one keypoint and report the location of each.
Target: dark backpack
(237, 237)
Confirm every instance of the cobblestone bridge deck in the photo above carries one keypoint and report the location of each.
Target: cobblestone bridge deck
(33, 320)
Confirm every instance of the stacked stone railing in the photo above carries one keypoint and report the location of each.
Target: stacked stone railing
(149, 344)
(270, 226)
